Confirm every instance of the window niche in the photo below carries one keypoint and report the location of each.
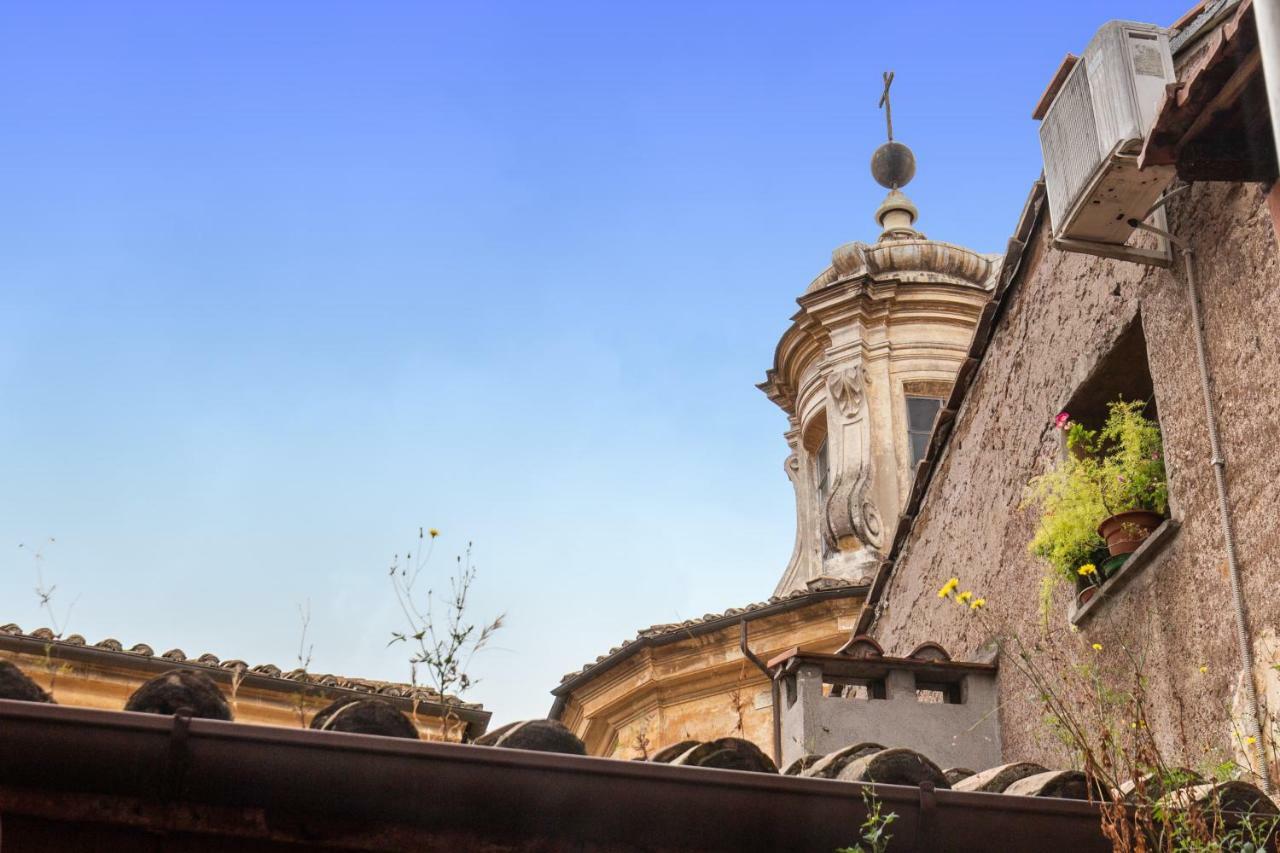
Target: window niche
(923, 401)
(822, 471)
(817, 458)
(1124, 373)
(818, 455)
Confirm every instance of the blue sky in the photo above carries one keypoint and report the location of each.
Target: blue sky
(281, 282)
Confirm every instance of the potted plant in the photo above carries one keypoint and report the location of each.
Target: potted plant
(1126, 461)
(1102, 499)
(1071, 506)
(1089, 582)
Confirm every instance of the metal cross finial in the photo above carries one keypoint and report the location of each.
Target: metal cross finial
(884, 102)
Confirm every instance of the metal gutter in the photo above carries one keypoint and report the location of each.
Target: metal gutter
(75, 773)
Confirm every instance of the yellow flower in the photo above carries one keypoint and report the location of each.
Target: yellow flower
(1250, 740)
(1097, 647)
(978, 603)
(434, 533)
(1087, 569)
(1203, 670)
(964, 597)
(948, 587)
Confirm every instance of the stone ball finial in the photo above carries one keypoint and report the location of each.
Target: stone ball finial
(893, 165)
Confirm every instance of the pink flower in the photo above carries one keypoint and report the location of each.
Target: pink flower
(1062, 420)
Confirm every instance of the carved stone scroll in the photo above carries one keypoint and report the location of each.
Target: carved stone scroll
(847, 389)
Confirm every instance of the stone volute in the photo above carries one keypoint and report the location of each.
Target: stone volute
(867, 361)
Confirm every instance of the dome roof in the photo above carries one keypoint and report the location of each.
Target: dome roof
(911, 259)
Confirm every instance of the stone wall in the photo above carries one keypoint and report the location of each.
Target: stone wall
(1060, 320)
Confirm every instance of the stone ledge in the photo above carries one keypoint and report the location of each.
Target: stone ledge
(1147, 552)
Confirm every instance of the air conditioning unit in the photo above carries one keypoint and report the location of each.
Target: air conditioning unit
(1093, 130)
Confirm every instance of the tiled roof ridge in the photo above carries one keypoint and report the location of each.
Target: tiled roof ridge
(823, 587)
(208, 660)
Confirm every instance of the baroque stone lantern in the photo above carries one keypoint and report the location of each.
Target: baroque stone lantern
(861, 373)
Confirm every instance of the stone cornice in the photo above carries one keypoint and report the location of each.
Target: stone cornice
(915, 260)
(874, 285)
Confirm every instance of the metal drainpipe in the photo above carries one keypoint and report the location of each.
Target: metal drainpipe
(774, 693)
(1219, 464)
(1266, 15)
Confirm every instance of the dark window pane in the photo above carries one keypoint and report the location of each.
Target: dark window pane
(919, 443)
(920, 413)
(824, 469)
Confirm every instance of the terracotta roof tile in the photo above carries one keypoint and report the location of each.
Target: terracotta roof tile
(268, 670)
(666, 628)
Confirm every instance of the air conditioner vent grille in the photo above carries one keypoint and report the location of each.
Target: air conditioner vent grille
(1070, 142)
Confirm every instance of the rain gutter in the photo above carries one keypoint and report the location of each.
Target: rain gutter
(75, 773)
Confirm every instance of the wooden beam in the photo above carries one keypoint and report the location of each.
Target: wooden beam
(1228, 97)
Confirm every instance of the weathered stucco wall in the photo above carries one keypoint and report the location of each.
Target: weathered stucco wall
(1059, 322)
(963, 734)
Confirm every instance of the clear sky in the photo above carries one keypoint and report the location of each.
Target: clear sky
(280, 282)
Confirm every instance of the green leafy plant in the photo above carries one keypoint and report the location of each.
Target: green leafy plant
(1125, 458)
(1071, 506)
(875, 837)
(1108, 471)
(440, 635)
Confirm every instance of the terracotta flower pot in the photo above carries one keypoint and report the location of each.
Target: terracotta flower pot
(1125, 531)
(1086, 593)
